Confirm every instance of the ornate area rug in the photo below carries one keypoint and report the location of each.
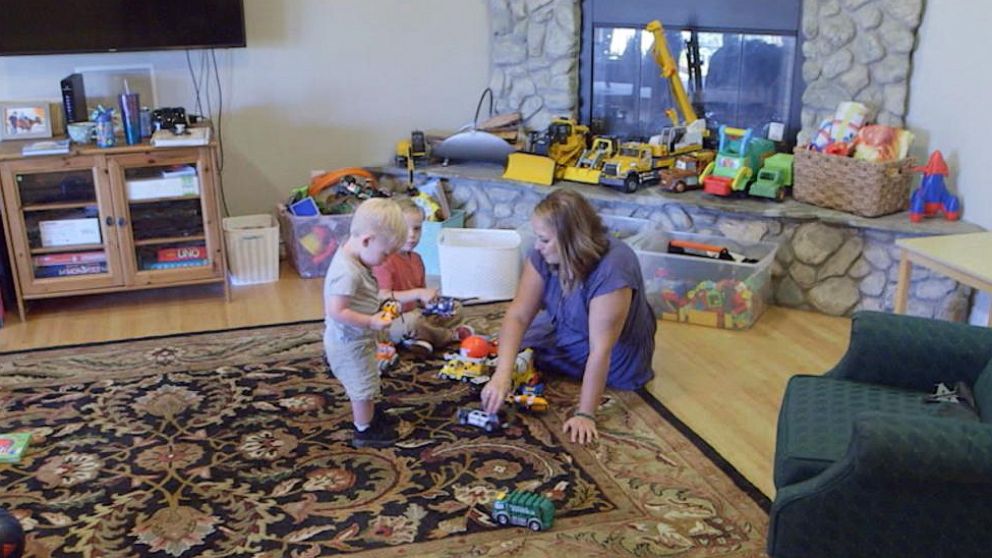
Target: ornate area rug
(236, 444)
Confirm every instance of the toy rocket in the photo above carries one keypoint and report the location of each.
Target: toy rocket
(933, 197)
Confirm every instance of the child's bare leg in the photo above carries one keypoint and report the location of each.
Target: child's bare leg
(362, 412)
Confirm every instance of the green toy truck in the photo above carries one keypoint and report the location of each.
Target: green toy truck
(774, 177)
(738, 156)
(526, 509)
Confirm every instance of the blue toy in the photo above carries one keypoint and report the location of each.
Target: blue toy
(442, 306)
(932, 197)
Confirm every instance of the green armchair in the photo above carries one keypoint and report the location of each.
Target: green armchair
(864, 467)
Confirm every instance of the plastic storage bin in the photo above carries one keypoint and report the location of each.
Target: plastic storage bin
(252, 249)
(479, 263)
(311, 241)
(428, 246)
(706, 291)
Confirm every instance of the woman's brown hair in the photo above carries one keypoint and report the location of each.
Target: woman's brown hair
(582, 238)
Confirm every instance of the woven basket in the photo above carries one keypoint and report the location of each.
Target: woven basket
(860, 187)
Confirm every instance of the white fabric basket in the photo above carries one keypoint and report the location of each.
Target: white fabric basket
(479, 263)
(252, 249)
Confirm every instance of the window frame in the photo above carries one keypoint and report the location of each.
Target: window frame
(775, 17)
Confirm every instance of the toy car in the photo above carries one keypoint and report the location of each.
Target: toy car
(464, 370)
(385, 356)
(684, 174)
(529, 402)
(479, 418)
(390, 308)
(526, 509)
(442, 306)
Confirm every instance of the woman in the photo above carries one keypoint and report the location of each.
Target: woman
(595, 324)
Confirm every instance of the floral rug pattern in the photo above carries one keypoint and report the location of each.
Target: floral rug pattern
(237, 444)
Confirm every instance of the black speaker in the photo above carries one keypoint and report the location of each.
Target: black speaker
(74, 99)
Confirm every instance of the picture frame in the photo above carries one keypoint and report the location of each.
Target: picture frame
(20, 120)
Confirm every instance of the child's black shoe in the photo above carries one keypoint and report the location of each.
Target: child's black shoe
(381, 433)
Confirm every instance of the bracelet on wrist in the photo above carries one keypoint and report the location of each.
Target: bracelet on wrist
(584, 415)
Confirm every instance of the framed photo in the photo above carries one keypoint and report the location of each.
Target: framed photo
(25, 120)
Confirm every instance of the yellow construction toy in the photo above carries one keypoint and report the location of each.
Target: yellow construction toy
(551, 152)
(590, 164)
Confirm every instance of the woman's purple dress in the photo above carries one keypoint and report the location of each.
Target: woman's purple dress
(559, 333)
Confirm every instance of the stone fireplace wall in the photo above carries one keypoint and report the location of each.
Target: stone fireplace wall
(535, 58)
(853, 49)
(857, 50)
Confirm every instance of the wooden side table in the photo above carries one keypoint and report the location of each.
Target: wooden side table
(962, 257)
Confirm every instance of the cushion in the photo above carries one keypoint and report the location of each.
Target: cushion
(817, 417)
(983, 394)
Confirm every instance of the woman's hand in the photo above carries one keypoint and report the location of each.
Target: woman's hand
(583, 429)
(494, 392)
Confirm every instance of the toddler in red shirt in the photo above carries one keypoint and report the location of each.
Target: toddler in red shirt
(402, 276)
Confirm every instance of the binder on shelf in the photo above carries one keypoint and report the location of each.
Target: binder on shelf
(69, 270)
(154, 266)
(182, 253)
(163, 187)
(69, 232)
(70, 258)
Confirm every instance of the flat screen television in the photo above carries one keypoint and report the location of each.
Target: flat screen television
(74, 26)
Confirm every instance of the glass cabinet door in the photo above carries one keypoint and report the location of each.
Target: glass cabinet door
(62, 227)
(167, 211)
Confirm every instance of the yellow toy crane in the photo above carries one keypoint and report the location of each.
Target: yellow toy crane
(669, 71)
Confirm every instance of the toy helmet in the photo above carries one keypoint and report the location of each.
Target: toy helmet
(476, 346)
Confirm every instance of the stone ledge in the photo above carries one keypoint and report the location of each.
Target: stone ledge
(654, 197)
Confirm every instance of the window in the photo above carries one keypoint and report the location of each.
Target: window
(747, 73)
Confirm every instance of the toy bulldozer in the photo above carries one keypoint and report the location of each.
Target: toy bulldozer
(552, 151)
(590, 163)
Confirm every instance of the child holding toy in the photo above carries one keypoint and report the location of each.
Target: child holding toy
(352, 316)
(402, 277)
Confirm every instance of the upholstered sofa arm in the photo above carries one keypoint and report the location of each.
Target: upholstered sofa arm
(904, 484)
(913, 353)
(891, 447)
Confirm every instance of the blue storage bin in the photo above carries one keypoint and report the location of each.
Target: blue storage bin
(428, 247)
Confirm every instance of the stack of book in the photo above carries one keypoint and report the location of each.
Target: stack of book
(182, 256)
(70, 264)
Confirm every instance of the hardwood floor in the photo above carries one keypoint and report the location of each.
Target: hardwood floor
(725, 385)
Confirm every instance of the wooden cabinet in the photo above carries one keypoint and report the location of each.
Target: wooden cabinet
(104, 220)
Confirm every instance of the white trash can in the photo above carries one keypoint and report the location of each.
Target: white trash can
(252, 249)
(479, 263)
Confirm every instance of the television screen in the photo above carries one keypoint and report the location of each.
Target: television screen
(71, 26)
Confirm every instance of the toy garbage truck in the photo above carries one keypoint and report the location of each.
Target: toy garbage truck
(774, 177)
(526, 509)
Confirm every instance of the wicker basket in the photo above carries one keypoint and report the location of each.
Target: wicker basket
(860, 187)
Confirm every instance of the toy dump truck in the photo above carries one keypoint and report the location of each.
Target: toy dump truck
(739, 154)
(684, 175)
(774, 177)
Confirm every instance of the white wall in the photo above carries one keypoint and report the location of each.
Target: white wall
(950, 107)
(322, 84)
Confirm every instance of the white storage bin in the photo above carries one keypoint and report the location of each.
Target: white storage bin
(252, 249)
(480, 263)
